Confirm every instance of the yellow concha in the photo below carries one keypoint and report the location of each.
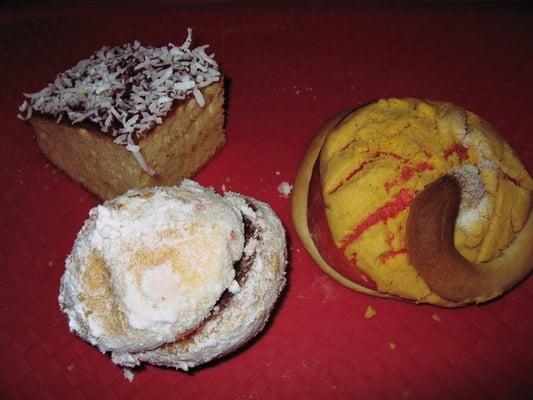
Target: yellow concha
(382, 155)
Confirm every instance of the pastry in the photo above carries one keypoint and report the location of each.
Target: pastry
(174, 276)
(416, 200)
(131, 116)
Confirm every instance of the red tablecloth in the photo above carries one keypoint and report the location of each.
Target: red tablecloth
(289, 69)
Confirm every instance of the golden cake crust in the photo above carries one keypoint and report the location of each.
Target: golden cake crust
(188, 137)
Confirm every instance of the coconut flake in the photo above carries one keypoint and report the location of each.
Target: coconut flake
(142, 163)
(128, 374)
(133, 148)
(23, 106)
(198, 97)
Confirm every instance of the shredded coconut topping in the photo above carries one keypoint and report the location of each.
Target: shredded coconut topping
(126, 90)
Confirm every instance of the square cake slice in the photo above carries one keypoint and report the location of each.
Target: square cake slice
(131, 116)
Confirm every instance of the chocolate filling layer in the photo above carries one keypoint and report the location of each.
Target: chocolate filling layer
(242, 267)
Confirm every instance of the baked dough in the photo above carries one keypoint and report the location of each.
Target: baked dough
(174, 276)
(243, 314)
(372, 161)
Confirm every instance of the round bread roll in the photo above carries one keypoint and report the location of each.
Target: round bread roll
(415, 200)
(174, 276)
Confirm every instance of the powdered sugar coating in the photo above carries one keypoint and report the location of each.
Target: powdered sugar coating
(475, 201)
(126, 90)
(249, 307)
(150, 265)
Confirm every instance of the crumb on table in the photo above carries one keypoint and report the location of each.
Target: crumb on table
(370, 312)
(285, 188)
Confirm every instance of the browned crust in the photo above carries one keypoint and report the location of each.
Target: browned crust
(431, 250)
(300, 197)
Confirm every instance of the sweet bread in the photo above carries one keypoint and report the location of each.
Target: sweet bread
(364, 204)
(131, 116)
(174, 276)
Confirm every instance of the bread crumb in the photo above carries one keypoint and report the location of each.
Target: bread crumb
(392, 345)
(128, 374)
(370, 312)
(435, 317)
(285, 188)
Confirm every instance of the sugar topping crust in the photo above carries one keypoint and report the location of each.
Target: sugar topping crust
(246, 311)
(150, 265)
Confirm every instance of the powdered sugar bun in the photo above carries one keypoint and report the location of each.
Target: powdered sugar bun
(241, 314)
(150, 265)
(174, 276)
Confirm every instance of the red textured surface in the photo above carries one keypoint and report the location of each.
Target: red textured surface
(289, 69)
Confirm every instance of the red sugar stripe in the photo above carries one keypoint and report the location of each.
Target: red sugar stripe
(459, 149)
(362, 166)
(390, 254)
(407, 172)
(388, 210)
(355, 171)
